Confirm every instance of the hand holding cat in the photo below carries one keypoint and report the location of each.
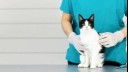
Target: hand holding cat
(111, 39)
(76, 41)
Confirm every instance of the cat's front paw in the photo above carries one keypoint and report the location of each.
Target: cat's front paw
(93, 67)
(100, 65)
(83, 66)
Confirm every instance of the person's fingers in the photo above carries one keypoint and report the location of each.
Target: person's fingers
(108, 45)
(104, 35)
(78, 48)
(105, 43)
(103, 40)
(80, 43)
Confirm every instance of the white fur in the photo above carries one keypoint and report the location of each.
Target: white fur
(91, 56)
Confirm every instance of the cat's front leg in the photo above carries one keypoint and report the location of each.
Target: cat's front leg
(101, 60)
(100, 66)
(82, 61)
(87, 60)
(94, 58)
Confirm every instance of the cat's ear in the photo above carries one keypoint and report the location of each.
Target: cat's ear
(80, 17)
(92, 17)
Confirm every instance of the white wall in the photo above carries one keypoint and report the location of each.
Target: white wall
(30, 32)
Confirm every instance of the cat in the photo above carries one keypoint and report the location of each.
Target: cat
(93, 55)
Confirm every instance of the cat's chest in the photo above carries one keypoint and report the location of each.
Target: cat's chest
(89, 38)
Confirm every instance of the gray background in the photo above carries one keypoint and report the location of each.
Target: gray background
(30, 32)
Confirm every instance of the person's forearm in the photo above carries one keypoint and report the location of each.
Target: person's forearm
(124, 31)
(66, 24)
(67, 28)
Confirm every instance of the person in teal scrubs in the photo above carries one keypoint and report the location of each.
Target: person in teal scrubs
(108, 22)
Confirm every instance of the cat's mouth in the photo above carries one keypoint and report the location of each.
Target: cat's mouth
(87, 29)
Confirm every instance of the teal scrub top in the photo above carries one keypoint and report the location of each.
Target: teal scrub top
(108, 18)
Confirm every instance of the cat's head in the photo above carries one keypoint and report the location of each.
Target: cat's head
(86, 24)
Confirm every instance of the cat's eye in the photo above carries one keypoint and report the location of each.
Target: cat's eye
(89, 24)
(83, 24)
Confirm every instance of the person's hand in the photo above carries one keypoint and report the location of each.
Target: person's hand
(111, 39)
(76, 41)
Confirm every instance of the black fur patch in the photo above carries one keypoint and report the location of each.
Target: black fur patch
(102, 50)
(82, 51)
(98, 33)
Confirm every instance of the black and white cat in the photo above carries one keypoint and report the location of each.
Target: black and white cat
(93, 55)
